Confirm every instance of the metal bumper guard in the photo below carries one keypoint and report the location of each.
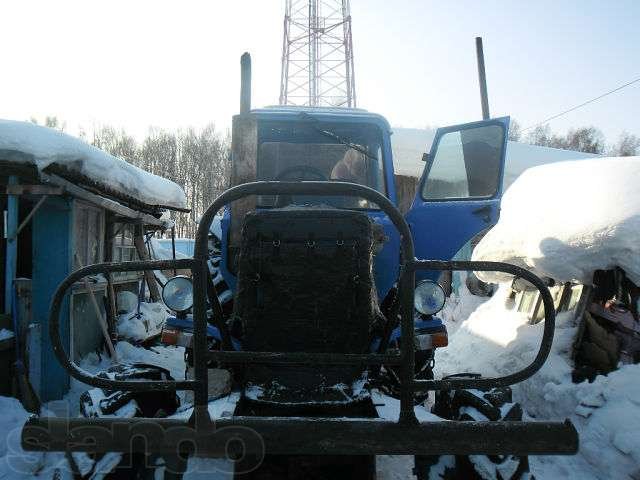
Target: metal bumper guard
(233, 436)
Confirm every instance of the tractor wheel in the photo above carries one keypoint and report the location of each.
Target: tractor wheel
(474, 405)
(388, 379)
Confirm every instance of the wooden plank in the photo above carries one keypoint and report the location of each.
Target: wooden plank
(102, 202)
(33, 190)
(579, 318)
(28, 217)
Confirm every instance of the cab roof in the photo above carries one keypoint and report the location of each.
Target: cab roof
(285, 112)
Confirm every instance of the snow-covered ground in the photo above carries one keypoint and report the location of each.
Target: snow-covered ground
(46, 146)
(497, 340)
(20, 465)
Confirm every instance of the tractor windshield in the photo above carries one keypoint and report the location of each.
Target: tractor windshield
(348, 152)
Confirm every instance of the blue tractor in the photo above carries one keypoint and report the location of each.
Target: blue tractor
(335, 295)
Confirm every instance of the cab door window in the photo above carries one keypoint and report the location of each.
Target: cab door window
(467, 164)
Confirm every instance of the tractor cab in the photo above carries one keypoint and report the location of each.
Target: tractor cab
(458, 195)
(315, 144)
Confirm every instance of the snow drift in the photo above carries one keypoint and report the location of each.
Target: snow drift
(566, 220)
(47, 146)
(497, 340)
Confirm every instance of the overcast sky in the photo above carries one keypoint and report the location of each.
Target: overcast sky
(173, 64)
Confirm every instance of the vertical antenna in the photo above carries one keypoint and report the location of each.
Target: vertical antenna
(482, 77)
(317, 54)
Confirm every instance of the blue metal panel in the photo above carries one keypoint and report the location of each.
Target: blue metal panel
(52, 252)
(12, 247)
(387, 262)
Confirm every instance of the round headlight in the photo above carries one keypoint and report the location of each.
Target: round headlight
(177, 293)
(429, 297)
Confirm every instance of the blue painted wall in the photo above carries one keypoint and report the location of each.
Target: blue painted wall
(52, 254)
(12, 247)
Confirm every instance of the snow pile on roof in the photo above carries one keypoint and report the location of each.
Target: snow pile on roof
(496, 340)
(408, 145)
(568, 219)
(48, 146)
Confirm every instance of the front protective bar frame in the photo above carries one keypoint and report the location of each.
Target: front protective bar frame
(405, 359)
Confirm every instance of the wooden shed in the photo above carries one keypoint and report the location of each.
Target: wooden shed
(66, 205)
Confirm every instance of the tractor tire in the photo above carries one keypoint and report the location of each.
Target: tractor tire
(474, 405)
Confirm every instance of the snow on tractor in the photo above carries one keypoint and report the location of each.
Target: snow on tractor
(335, 294)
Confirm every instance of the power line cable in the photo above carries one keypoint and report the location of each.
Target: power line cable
(582, 104)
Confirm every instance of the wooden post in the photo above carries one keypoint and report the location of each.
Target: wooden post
(113, 311)
(173, 247)
(101, 320)
(112, 317)
(138, 241)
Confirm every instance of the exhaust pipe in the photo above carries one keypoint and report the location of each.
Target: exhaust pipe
(245, 83)
(482, 78)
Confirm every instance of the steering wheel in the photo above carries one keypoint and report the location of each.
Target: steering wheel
(303, 172)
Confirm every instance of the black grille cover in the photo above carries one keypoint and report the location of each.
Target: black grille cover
(305, 284)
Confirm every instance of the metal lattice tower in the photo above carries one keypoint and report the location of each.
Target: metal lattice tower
(317, 54)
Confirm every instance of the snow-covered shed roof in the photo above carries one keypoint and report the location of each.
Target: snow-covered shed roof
(45, 147)
(409, 144)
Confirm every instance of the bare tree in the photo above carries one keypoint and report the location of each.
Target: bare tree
(515, 132)
(198, 161)
(627, 145)
(51, 121)
(117, 142)
(584, 139)
(540, 135)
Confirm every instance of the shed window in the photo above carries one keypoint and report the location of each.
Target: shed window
(124, 249)
(123, 246)
(88, 238)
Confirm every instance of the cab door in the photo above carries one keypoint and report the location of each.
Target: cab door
(459, 193)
